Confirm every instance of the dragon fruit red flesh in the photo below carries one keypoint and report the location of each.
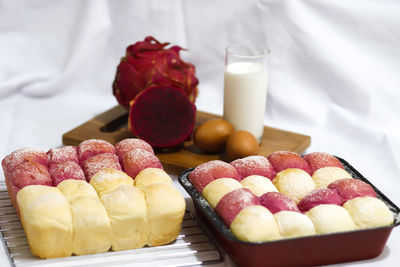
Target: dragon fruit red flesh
(148, 63)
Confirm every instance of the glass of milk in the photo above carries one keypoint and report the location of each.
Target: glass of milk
(245, 87)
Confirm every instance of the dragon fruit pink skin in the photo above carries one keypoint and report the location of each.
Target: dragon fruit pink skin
(148, 63)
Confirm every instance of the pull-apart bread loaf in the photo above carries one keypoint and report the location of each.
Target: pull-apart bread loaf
(79, 200)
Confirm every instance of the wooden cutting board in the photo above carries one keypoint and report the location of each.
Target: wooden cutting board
(112, 127)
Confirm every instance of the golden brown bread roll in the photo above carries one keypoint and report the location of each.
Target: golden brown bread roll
(92, 227)
(126, 208)
(47, 221)
(165, 209)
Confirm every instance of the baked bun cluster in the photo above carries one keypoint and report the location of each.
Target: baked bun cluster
(285, 195)
(93, 197)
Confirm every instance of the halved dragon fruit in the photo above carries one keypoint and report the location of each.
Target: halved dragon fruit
(148, 63)
(162, 116)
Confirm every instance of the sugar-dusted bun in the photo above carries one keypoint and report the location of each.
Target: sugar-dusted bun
(150, 176)
(294, 224)
(326, 175)
(72, 189)
(255, 224)
(214, 191)
(317, 160)
(107, 180)
(295, 183)
(276, 201)
(165, 209)
(254, 165)
(92, 228)
(207, 172)
(92, 147)
(369, 212)
(98, 162)
(47, 221)
(349, 188)
(330, 218)
(258, 184)
(282, 160)
(233, 202)
(129, 144)
(317, 197)
(126, 208)
(139, 159)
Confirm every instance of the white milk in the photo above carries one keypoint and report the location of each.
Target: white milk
(245, 95)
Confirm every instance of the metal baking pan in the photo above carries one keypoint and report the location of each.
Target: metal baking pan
(300, 251)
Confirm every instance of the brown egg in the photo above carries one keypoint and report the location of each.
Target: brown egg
(241, 144)
(211, 136)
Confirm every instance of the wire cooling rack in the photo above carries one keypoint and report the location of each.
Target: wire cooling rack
(192, 247)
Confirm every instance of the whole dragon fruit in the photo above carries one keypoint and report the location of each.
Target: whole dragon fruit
(148, 63)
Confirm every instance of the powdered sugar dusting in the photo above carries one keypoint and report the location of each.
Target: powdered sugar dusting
(131, 144)
(317, 160)
(93, 147)
(63, 154)
(24, 155)
(66, 170)
(96, 163)
(254, 165)
(139, 159)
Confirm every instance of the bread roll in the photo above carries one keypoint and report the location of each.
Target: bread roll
(165, 210)
(108, 179)
(326, 175)
(126, 208)
(92, 227)
(258, 184)
(47, 221)
(294, 224)
(214, 191)
(369, 212)
(255, 224)
(150, 176)
(330, 218)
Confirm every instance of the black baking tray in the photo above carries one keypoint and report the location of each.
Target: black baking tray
(300, 251)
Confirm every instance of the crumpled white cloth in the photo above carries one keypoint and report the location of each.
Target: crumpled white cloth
(334, 70)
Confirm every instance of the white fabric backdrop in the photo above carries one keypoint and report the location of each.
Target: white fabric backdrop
(333, 70)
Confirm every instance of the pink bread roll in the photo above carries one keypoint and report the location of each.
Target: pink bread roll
(24, 167)
(317, 197)
(233, 202)
(101, 161)
(139, 159)
(23, 155)
(254, 165)
(63, 154)
(207, 172)
(27, 173)
(282, 160)
(318, 160)
(93, 147)
(130, 144)
(65, 170)
(350, 188)
(276, 202)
